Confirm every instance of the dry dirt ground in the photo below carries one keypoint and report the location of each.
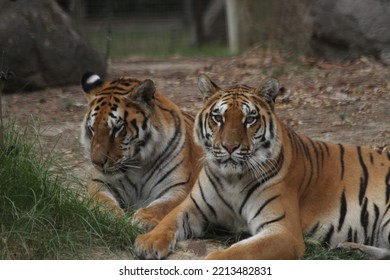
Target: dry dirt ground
(342, 103)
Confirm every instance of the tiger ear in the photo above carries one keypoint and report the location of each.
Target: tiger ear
(90, 80)
(145, 91)
(206, 86)
(269, 90)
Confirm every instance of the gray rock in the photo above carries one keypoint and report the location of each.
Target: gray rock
(347, 29)
(39, 43)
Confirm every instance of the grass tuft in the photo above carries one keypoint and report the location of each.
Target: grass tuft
(40, 218)
(316, 251)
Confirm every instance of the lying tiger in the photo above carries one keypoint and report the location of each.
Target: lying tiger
(262, 177)
(141, 147)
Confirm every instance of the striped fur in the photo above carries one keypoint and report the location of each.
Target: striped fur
(262, 177)
(141, 148)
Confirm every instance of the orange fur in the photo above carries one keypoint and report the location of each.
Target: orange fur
(262, 177)
(141, 147)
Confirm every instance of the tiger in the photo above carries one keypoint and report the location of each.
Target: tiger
(140, 143)
(261, 177)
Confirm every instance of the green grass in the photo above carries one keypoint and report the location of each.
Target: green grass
(152, 41)
(314, 249)
(41, 218)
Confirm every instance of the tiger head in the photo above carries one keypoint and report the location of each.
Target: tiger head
(237, 126)
(116, 130)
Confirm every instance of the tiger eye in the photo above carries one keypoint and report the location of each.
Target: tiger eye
(218, 118)
(250, 119)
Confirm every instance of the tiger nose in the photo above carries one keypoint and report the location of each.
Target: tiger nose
(230, 147)
(99, 162)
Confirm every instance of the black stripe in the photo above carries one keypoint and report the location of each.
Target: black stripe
(265, 178)
(168, 188)
(350, 237)
(118, 196)
(371, 158)
(99, 181)
(300, 151)
(314, 229)
(385, 224)
(316, 157)
(162, 178)
(328, 236)
(202, 134)
(112, 115)
(172, 145)
(205, 201)
(342, 160)
(269, 200)
(387, 209)
(364, 179)
(260, 227)
(376, 211)
(198, 208)
(387, 182)
(134, 124)
(308, 156)
(186, 226)
(271, 128)
(343, 211)
(326, 148)
(364, 216)
(292, 140)
(321, 153)
(134, 186)
(126, 114)
(215, 187)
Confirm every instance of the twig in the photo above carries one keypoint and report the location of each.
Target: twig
(4, 77)
(1, 113)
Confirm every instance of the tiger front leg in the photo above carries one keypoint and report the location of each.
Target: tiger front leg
(274, 243)
(147, 218)
(106, 200)
(182, 222)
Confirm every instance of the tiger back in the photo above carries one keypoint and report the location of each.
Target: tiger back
(261, 177)
(141, 148)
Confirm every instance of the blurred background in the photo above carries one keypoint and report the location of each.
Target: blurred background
(121, 28)
(39, 36)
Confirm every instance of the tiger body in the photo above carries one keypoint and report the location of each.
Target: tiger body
(141, 147)
(261, 177)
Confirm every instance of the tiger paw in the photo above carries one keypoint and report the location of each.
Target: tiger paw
(155, 244)
(145, 219)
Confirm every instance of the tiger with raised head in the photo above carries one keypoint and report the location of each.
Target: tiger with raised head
(262, 177)
(141, 148)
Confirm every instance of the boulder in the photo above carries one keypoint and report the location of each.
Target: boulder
(347, 29)
(336, 30)
(40, 44)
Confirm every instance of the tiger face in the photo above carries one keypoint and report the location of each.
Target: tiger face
(117, 129)
(236, 127)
